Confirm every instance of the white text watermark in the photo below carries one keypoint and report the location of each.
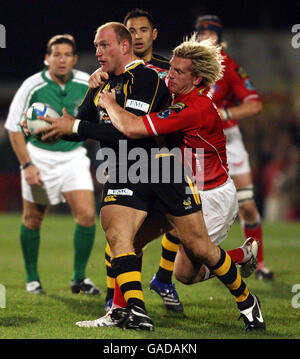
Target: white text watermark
(296, 38)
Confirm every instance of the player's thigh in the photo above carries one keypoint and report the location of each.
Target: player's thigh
(75, 173)
(237, 155)
(82, 204)
(120, 224)
(220, 209)
(193, 234)
(33, 214)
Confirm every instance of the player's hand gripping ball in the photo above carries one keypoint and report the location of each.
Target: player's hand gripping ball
(33, 123)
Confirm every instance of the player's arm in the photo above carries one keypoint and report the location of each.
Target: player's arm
(133, 126)
(244, 110)
(126, 122)
(84, 126)
(16, 136)
(250, 103)
(31, 172)
(145, 97)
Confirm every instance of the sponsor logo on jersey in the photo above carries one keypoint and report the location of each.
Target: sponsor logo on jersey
(120, 192)
(103, 116)
(179, 106)
(110, 198)
(249, 85)
(243, 74)
(137, 105)
(200, 92)
(162, 74)
(118, 88)
(187, 203)
(164, 114)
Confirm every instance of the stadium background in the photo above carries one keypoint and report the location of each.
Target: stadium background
(259, 38)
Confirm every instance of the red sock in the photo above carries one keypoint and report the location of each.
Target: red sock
(237, 255)
(119, 300)
(255, 231)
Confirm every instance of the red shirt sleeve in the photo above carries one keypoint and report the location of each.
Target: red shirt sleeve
(240, 82)
(170, 120)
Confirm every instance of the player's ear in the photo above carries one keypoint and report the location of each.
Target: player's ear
(75, 59)
(197, 80)
(46, 62)
(125, 46)
(154, 33)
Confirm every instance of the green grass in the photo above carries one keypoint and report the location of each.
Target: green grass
(210, 311)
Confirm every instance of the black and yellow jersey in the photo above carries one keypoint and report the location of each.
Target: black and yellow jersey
(139, 90)
(159, 61)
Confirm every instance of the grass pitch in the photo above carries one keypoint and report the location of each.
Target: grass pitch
(210, 311)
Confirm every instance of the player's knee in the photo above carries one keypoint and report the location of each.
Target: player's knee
(85, 216)
(198, 246)
(248, 211)
(183, 278)
(32, 220)
(113, 236)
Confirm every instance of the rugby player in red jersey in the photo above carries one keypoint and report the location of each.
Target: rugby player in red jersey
(237, 99)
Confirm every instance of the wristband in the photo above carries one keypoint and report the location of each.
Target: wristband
(27, 164)
(227, 114)
(75, 126)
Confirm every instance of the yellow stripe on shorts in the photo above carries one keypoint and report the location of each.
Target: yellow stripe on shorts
(194, 190)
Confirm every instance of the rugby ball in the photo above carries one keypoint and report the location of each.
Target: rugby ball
(33, 123)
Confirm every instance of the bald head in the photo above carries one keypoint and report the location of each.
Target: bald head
(113, 47)
(119, 29)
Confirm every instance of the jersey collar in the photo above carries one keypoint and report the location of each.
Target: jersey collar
(133, 64)
(48, 78)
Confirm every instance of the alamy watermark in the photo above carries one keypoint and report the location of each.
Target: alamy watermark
(296, 297)
(296, 38)
(2, 36)
(159, 165)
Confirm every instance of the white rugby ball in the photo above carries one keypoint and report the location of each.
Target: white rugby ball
(33, 123)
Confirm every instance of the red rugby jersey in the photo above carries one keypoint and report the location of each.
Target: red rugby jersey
(233, 88)
(192, 122)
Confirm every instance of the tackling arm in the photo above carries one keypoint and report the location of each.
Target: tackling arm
(129, 124)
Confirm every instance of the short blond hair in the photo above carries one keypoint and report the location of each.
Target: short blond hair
(206, 59)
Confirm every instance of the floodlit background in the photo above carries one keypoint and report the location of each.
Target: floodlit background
(259, 37)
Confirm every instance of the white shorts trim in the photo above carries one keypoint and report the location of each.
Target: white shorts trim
(60, 171)
(220, 208)
(237, 155)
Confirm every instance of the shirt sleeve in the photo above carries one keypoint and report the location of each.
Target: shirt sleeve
(241, 84)
(87, 111)
(172, 119)
(17, 108)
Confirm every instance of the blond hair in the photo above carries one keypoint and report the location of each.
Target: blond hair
(206, 59)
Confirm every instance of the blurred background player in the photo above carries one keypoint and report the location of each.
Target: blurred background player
(140, 24)
(237, 99)
(54, 172)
